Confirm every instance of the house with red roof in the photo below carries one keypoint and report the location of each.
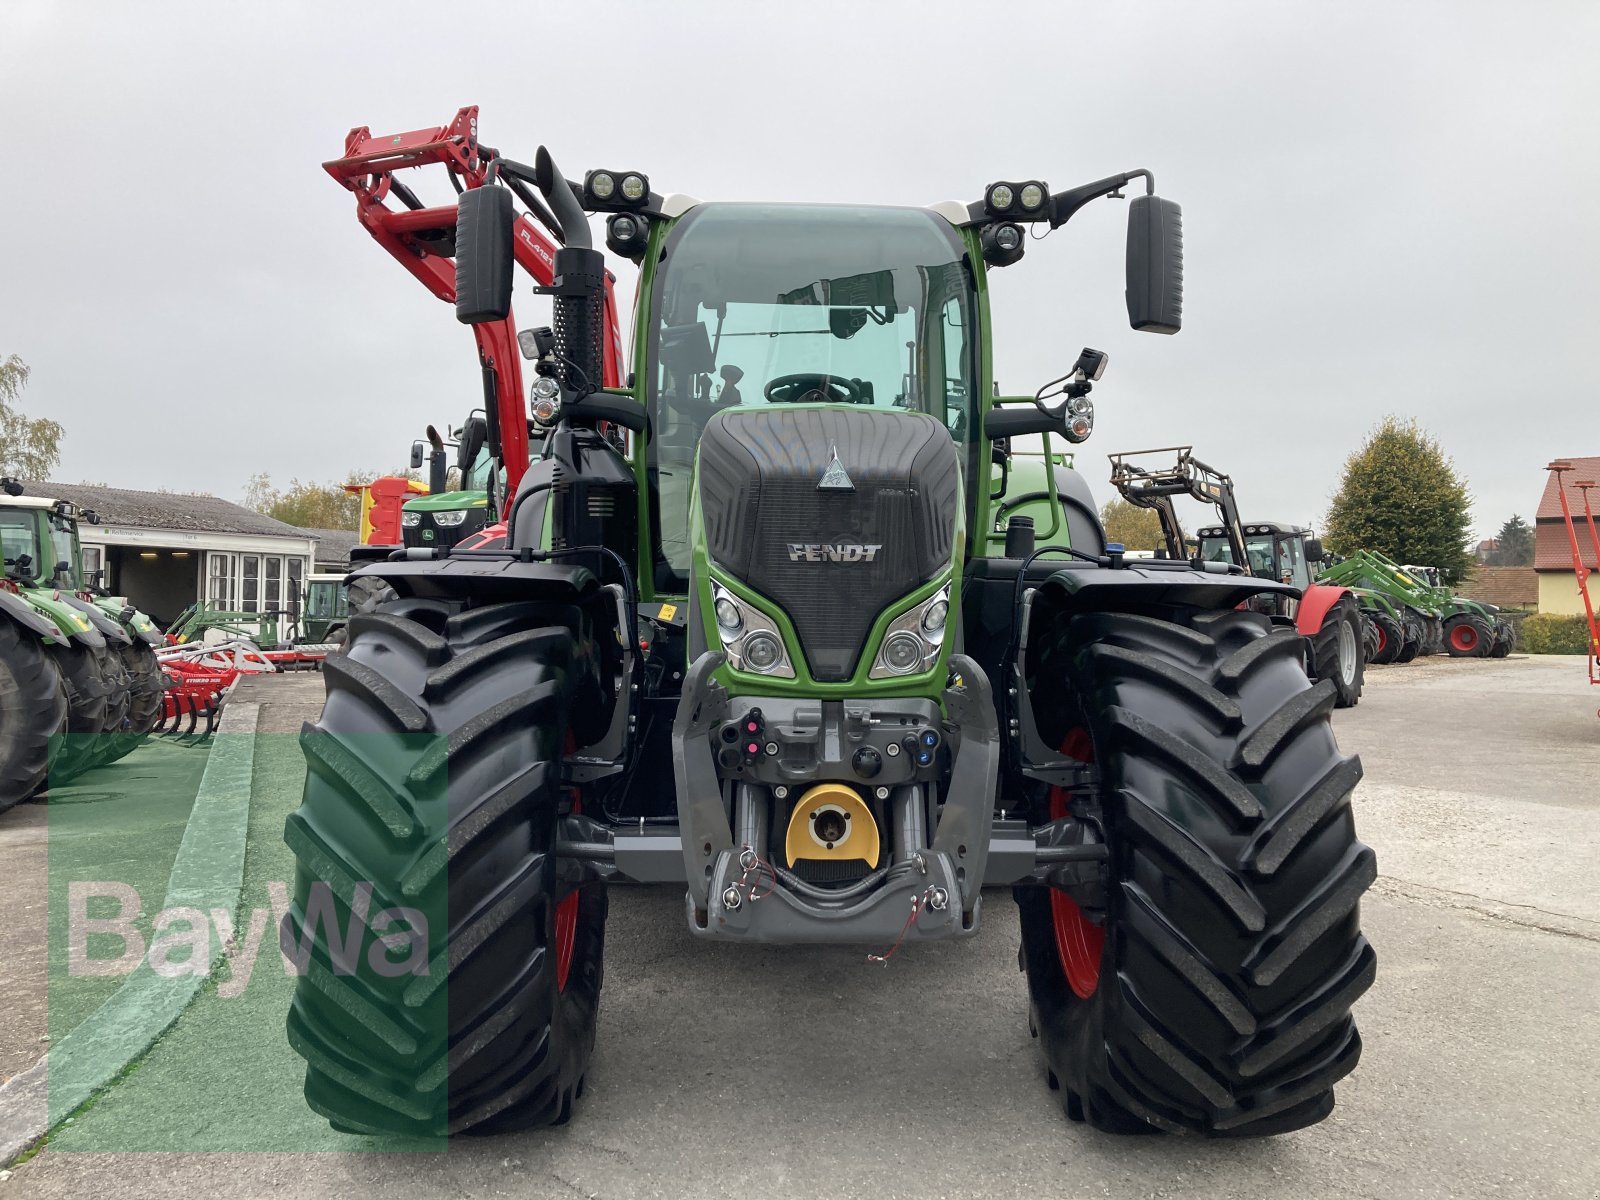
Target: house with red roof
(1552, 548)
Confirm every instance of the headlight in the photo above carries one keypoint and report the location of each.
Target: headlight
(1000, 197)
(410, 520)
(633, 187)
(762, 651)
(729, 619)
(1032, 196)
(902, 652)
(449, 518)
(544, 401)
(914, 639)
(602, 185)
(749, 637)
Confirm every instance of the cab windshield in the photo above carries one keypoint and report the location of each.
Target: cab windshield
(1269, 558)
(758, 304)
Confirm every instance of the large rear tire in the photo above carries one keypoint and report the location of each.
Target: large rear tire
(1338, 651)
(87, 693)
(33, 712)
(1466, 636)
(1212, 992)
(435, 774)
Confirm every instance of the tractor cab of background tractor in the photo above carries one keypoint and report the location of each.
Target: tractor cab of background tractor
(1275, 551)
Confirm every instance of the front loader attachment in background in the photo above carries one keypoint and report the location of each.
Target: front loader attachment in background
(1337, 640)
(422, 239)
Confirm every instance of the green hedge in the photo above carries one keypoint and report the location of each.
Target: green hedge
(1546, 633)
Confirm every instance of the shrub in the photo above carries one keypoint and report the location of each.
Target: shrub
(1547, 633)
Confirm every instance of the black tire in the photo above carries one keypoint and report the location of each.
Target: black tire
(1505, 638)
(1413, 634)
(1391, 637)
(1370, 637)
(146, 685)
(1232, 952)
(1339, 651)
(1467, 636)
(367, 592)
(487, 1039)
(87, 693)
(33, 712)
(119, 700)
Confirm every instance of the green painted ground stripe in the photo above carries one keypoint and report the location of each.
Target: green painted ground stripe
(208, 874)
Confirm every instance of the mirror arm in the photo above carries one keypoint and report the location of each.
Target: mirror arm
(1064, 204)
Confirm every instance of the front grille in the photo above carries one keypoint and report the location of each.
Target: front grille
(759, 472)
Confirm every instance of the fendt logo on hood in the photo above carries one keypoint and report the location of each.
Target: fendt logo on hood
(845, 552)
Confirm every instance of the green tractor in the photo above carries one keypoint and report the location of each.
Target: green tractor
(326, 614)
(1472, 629)
(1415, 615)
(446, 516)
(769, 626)
(79, 682)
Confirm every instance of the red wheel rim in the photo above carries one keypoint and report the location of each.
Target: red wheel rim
(566, 937)
(1464, 637)
(1079, 941)
(1383, 639)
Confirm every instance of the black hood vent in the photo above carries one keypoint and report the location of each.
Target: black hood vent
(832, 557)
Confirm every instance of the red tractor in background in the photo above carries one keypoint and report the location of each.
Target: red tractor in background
(1328, 617)
(422, 239)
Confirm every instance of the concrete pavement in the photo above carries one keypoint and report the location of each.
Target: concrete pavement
(729, 1072)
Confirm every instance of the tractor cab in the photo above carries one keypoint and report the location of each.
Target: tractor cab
(1276, 551)
(798, 323)
(40, 540)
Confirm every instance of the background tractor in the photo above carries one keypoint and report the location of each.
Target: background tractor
(765, 629)
(1432, 618)
(1471, 628)
(79, 683)
(1329, 618)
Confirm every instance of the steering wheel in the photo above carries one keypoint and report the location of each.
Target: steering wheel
(812, 388)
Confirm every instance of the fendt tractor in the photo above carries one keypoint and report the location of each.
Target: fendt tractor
(759, 632)
(79, 682)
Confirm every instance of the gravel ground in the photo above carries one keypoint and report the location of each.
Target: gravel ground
(734, 1072)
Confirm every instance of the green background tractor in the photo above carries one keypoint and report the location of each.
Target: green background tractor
(765, 629)
(79, 683)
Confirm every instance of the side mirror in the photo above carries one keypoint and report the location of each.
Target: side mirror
(473, 436)
(416, 455)
(1314, 551)
(1155, 265)
(484, 258)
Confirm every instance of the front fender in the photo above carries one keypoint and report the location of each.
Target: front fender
(1086, 587)
(1314, 606)
(17, 609)
(107, 626)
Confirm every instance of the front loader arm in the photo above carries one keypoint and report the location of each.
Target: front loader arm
(1154, 488)
(422, 240)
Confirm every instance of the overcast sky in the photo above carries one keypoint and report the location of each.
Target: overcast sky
(1388, 208)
